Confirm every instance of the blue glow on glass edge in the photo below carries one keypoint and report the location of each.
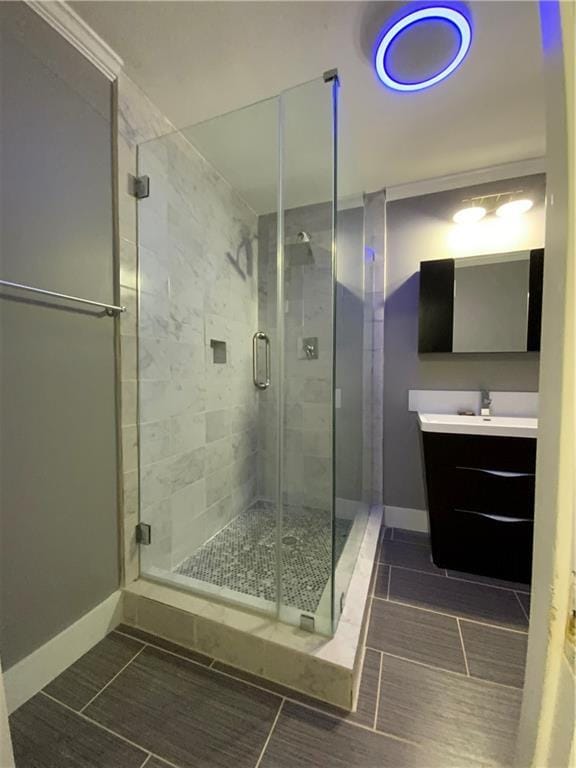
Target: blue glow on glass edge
(437, 13)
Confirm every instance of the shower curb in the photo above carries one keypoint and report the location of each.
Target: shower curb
(326, 668)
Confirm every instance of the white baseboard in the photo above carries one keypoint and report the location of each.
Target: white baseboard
(404, 517)
(31, 674)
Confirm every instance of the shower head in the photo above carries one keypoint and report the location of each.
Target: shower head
(299, 251)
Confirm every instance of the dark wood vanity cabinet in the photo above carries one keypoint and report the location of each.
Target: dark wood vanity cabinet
(481, 503)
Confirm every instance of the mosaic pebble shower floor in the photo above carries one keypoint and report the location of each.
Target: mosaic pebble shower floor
(242, 556)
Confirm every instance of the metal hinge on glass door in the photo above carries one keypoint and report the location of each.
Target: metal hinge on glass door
(143, 533)
(140, 187)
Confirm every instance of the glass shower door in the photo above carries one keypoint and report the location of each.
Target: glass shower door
(309, 539)
(204, 489)
(236, 357)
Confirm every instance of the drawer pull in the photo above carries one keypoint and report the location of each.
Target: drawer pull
(497, 472)
(498, 518)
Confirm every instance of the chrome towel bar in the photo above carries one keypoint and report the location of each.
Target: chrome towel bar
(111, 309)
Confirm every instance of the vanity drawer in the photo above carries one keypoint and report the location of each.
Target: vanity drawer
(492, 545)
(493, 491)
(481, 503)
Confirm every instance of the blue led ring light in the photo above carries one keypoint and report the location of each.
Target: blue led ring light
(424, 14)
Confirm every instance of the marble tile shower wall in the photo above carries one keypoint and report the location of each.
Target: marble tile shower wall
(197, 417)
(308, 453)
(308, 313)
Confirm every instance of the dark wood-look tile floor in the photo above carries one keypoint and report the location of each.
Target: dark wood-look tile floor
(452, 712)
(310, 739)
(465, 599)
(155, 762)
(46, 734)
(408, 555)
(78, 684)
(187, 713)
(417, 635)
(439, 689)
(495, 654)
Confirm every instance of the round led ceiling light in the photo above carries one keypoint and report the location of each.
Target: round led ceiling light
(469, 215)
(514, 208)
(434, 13)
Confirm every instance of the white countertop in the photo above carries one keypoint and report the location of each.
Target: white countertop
(495, 426)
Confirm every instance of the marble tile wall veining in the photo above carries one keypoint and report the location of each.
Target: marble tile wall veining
(308, 397)
(176, 246)
(190, 295)
(307, 394)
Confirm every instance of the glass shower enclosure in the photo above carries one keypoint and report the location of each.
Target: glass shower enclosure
(237, 350)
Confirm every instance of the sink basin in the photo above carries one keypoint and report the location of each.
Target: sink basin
(495, 426)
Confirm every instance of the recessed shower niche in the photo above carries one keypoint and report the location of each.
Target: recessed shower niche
(218, 351)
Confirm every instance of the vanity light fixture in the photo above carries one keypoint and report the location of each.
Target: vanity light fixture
(514, 208)
(434, 13)
(469, 215)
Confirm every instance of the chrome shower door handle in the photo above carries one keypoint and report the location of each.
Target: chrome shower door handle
(260, 336)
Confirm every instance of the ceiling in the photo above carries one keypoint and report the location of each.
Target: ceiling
(197, 60)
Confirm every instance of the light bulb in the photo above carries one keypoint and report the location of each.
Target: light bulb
(514, 208)
(469, 215)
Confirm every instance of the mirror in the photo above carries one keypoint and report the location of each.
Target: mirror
(489, 303)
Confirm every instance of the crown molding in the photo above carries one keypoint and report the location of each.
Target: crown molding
(467, 179)
(72, 27)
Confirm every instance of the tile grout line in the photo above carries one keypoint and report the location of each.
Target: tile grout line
(81, 711)
(452, 578)
(522, 606)
(389, 582)
(265, 747)
(317, 709)
(310, 707)
(365, 647)
(109, 730)
(463, 646)
(377, 707)
(447, 575)
(299, 703)
(340, 719)
(147, 760)
(452, 615)
(148, 644)
(448, 671)
(222, 673)
(485, 584)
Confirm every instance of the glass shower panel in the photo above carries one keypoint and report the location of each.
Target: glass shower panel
(308, 539)
(351, 506)
(205, 489)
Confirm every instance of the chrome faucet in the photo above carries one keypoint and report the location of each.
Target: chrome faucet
(485, 402)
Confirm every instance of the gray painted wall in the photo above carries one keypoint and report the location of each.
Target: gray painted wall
(419, 229)
(58, 502)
